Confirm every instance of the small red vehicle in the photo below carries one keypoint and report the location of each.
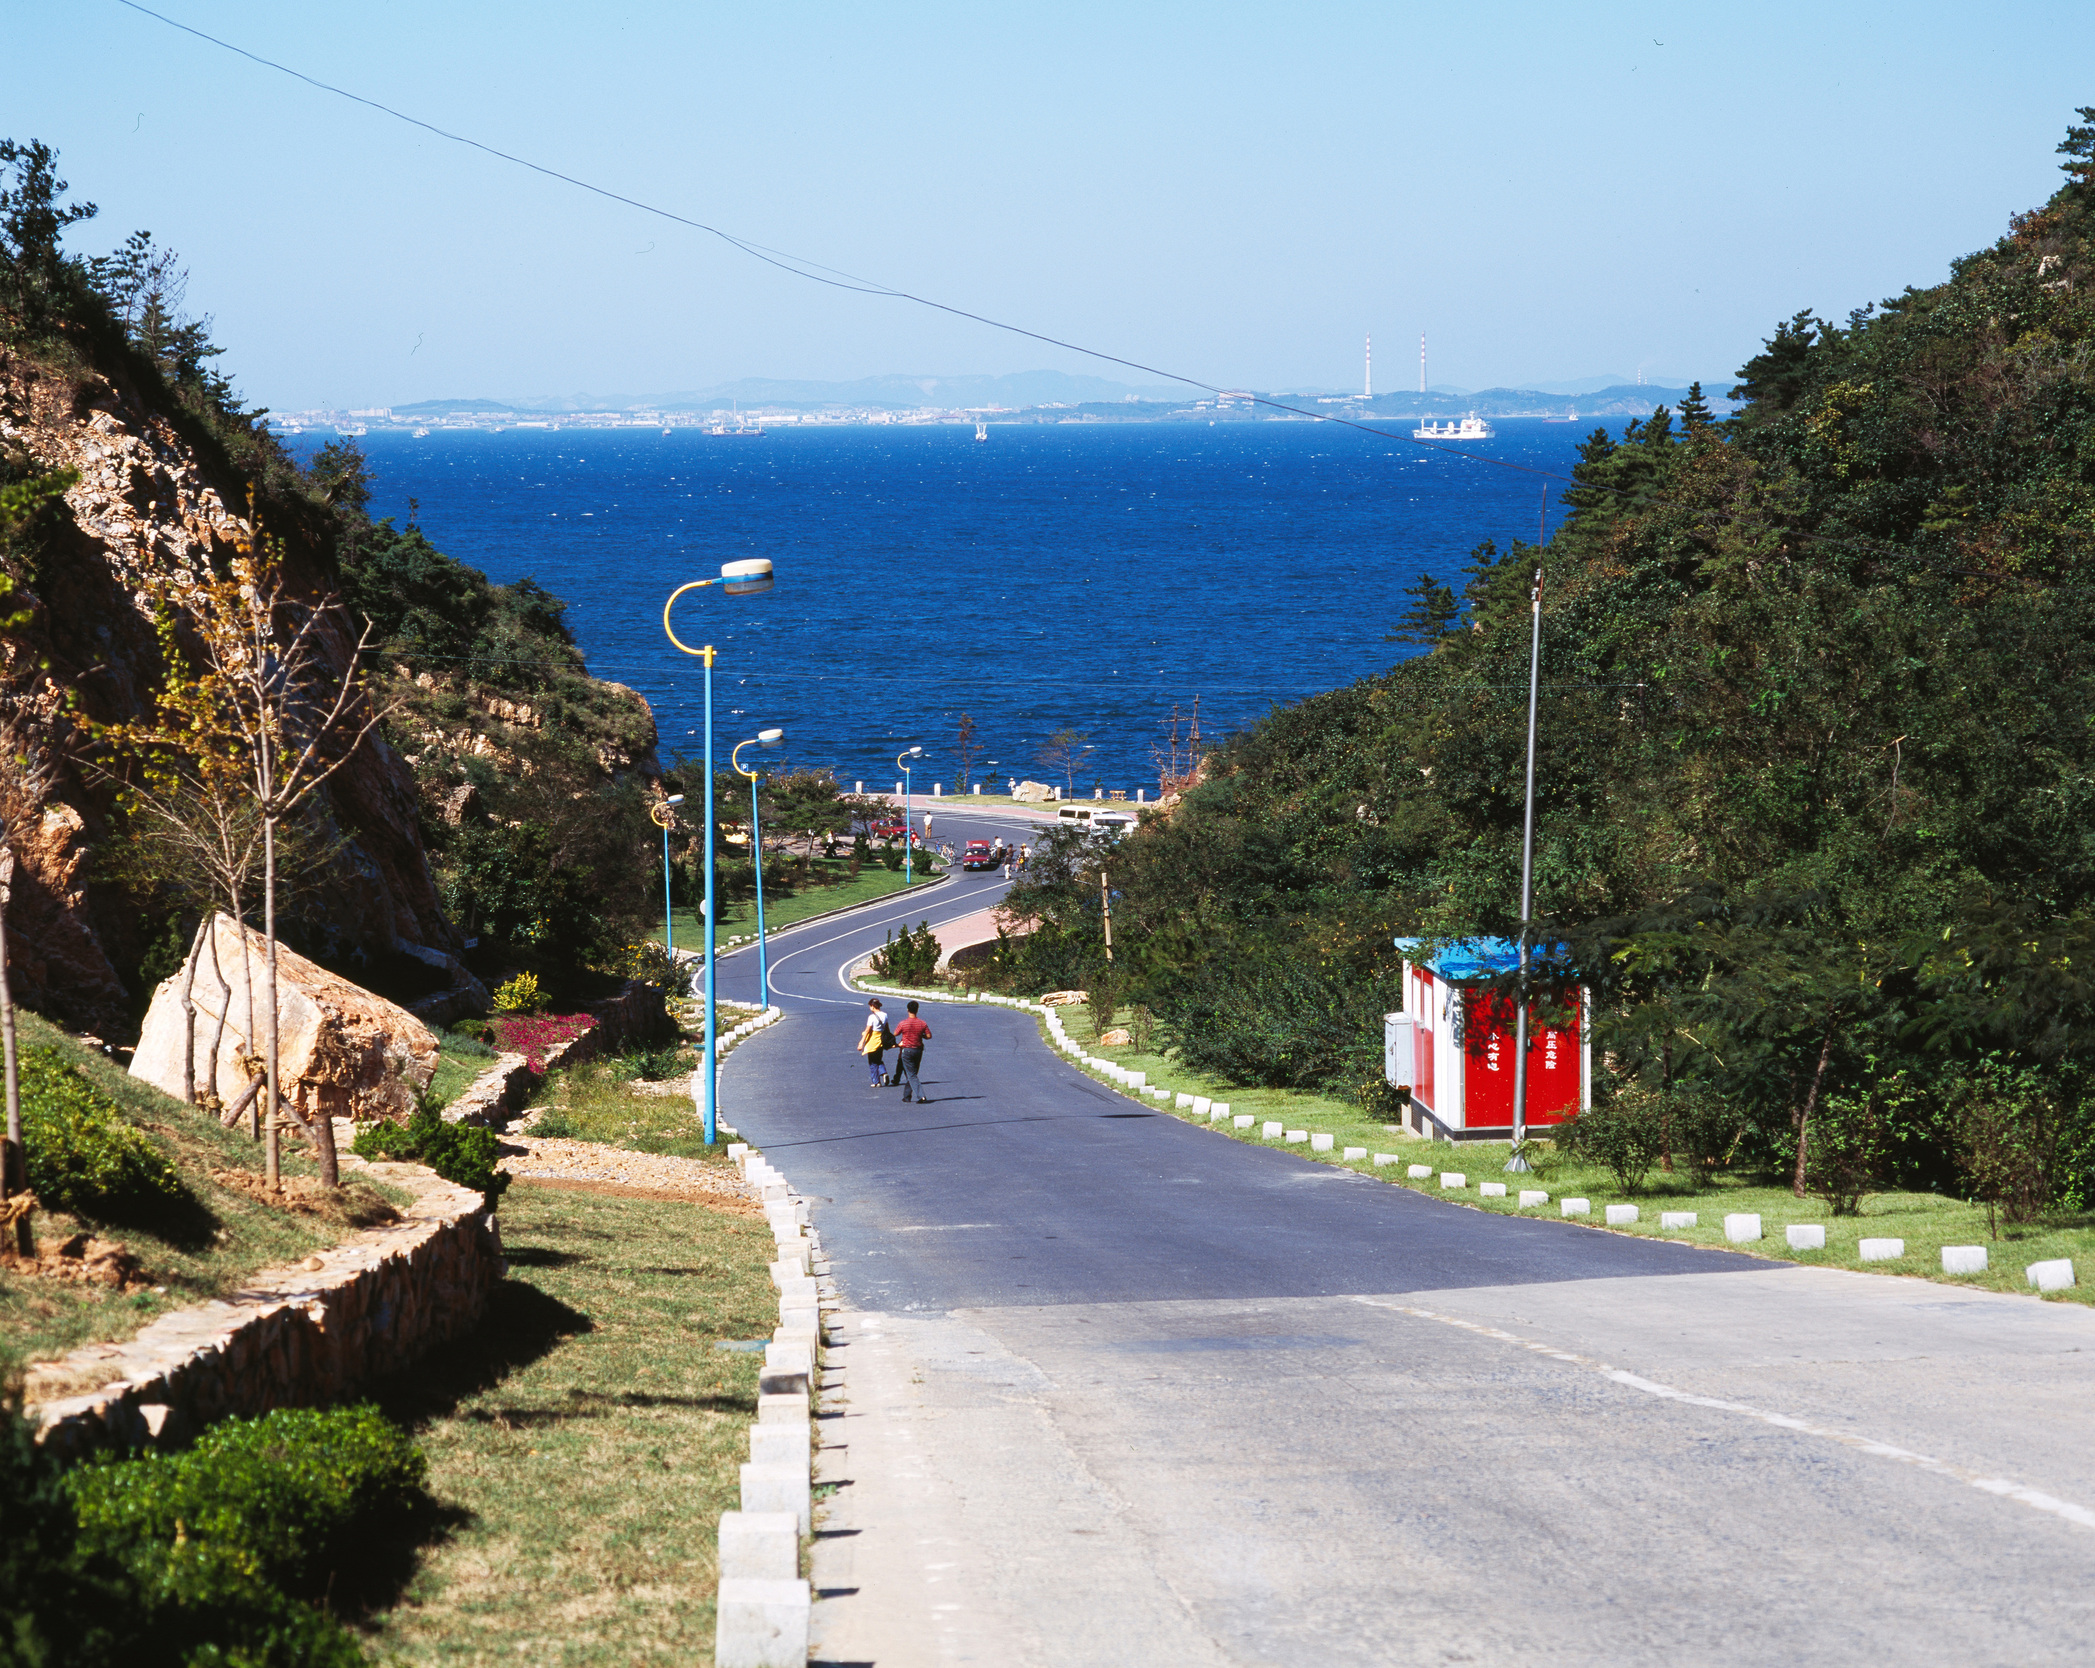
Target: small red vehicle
(891, 829)
(980, 854)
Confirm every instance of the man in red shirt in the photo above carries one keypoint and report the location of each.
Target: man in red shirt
(910, 1037)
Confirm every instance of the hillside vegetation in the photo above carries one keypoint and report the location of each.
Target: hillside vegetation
(1815, 766)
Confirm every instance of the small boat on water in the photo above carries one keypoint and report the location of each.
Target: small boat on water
(1470, 428)
(421, 434)
(1572, 418)
(981, 431)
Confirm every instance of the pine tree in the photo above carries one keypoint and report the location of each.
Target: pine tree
(1431, 615)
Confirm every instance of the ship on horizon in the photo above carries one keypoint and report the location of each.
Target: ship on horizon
(1470, 428)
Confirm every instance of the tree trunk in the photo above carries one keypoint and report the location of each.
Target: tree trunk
(225, 1012)
(1811, 1100)
(14, 1161)
(271, 1100)
(247, 980)
(1666, 1104)
(196, 954)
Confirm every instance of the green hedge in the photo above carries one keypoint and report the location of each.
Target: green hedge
(460, 1153)
(82, 1155)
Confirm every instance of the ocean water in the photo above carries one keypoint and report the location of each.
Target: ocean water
(1053, 577)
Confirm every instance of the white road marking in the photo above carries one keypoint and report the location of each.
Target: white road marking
(2022, 1494)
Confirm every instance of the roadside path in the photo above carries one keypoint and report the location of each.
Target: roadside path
(1111, 1390)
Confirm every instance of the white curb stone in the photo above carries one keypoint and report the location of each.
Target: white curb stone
(1964, 1259)
(788, 1445)
(1320, 1143)
(1183, 1103)
(1739, 1229)
(782, 1407)
(1354, 1152)
(1136, 1079)
(1419, 1172)
(1532, 1196)
(1298, 1136)
(759, 1546)
(1576, 1207)
(2054, 1276)
(1882, 1250)
(1271, 1131)
(1453, 1178)
(1677, 1218)
(1385, 1158)
(1621, 1216)
(1221, 1106)
(1491, 1190)
(1201, 1103)
(1217, 1115)
(778, 1488)
(1805, 1236)
(762, 1624)
(1243, 1120)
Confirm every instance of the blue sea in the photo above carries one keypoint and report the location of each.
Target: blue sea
(1081, 577)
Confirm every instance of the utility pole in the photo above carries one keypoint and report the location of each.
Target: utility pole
(1105, 904)
(1527, 895)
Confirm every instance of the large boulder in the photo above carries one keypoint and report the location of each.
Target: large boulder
(1033, 793)
(341, 1051)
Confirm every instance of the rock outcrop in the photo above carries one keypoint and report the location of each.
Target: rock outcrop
(342, 1052)
(1033, 793)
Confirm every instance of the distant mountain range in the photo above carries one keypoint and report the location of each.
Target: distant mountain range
(1032, 390)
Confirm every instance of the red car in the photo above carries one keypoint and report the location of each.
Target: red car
(980, 854)
(889, 830)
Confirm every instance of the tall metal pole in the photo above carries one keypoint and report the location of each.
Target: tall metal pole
(756, 847)
(1527, 895)
(712, 1011)
(909, 844)
(669, 930)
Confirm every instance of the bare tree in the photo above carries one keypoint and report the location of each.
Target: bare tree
(966, 749)
(1062, 753)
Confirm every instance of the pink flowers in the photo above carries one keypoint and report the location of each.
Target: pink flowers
(536, 1035)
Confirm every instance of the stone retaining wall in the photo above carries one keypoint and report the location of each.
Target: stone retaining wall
(293, 1336)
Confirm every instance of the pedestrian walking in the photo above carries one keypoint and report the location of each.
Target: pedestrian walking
(875, 1040)
(910, 1037)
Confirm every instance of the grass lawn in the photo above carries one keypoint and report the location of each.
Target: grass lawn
(459, 1061)
(198, 1249)
(1925, 1221)
(603, 1100)
(740, 919)
(587, 1437)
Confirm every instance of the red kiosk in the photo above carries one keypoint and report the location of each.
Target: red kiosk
(1452, 1046)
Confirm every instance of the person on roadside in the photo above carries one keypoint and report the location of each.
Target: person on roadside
(875, 1040)
(910, 1037)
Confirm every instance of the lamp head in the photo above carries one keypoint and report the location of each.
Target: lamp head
(916, 753)
(747, 578)
(674, 799)
(770, 738)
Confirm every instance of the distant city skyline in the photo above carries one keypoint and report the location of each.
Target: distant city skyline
(1236, 193)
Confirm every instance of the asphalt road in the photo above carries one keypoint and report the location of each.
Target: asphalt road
(1114, 1390)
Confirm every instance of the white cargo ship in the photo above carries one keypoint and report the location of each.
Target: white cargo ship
(1470, 428)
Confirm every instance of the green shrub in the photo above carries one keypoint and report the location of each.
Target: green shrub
(1381, 1102)
(472, 1043)
(81, 1154)
(519, 996)
(1624, 1135)
(655, 1064)
(909, 958)
(554, 1126)
(461, 1153)
(1103, 1005)
(1142, 1028)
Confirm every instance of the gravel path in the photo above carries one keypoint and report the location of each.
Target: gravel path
(553, 1159)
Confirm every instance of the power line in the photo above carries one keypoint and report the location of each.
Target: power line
(802, 267)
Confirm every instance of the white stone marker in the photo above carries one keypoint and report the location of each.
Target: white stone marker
(759, 1546)
(777, 1488)
(1676, 1219)
(1419, 1172)
(1183, 1102)
(782, 1407)
(1243, 1120)
(1532, 1196)
(1137, 1079)
(761, 1624)
(1491, 1190)
(781, 1445)
(1621, 1216)
(1271, 1131)
(1221, 1106)
(2053, 1276)
(737, 1151)
(1739, 1229)
(1217, 1114)
(1576, 1207)
(1201, 1103)
(1805, 1236)
(1354, 1152)
(1964, 1259)
(1453, 1178)
(1298, 1136)
(1384, 1158)
(1882, 1250)
(1320, 1143)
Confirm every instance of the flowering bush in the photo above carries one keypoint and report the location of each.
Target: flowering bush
(519, 996)
(536, 1035)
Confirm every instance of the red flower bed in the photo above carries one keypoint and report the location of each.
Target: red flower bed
(536, 1035)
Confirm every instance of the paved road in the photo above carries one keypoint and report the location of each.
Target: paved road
(1114, 1390)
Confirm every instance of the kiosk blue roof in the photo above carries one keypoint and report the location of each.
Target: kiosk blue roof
(1480, 958)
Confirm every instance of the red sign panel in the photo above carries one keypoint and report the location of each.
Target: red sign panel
(1553, 1066)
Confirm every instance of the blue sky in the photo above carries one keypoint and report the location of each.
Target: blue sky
(1240, 191)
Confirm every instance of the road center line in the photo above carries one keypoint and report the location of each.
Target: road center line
(2035, 1499)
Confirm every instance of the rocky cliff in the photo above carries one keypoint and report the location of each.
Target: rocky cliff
(146, 497)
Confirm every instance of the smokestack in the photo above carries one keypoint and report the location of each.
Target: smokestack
(1422, 363)
(1367, 389)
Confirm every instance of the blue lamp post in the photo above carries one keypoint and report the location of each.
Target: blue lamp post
(739, 579)
(909, 843)
(764, 738)
(665, 817)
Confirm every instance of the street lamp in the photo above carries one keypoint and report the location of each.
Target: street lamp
(665, 818)
(746, 578)
(908, 781)
(764, 738)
